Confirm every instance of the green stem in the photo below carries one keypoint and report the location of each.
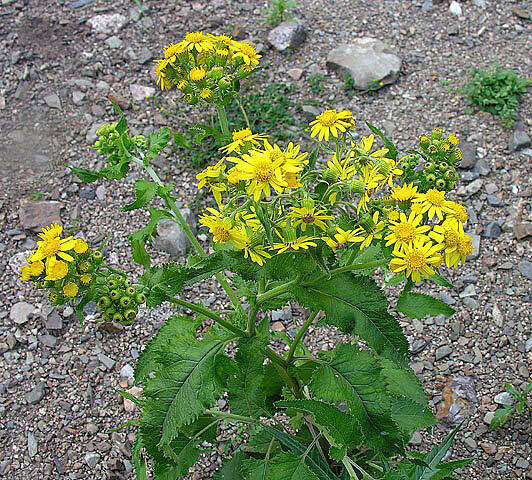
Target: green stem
(252, 318)
(349, 268)
(349, 468)
(299, 335)
(275, 292)
(275, 357)
(230, 416)
(238, 100)
(224, 124)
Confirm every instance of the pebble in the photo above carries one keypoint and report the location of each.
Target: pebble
(87, 193)
(504, 398)
(53, 321)
(53, 101)
(525, 268)
(295, 73)
(48, 340)
(114, 42)
(106, 23)
(470, 442)
(468, 291)
(33, 445)
(34, 215)
(36, 394)
(141, 92)
(171, 239)
(443, 351)
(522, 463)
(77, 97)
(109, 363)
(495, 201)
(427, 6)
(310, 111)
(20, 312)
(455, 8)
(470, 303)
(469, 155)
(127, 371)
(92, 459)
(474, 186)
(101, 192)
(519, 140)
(489, 448)
(80, 4)
(492, 230)
(283, 314)
(491, 188)
(288, 35)
(416, 439)
(488, 418)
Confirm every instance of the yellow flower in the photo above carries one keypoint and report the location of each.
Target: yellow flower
(294, 160)
(292, 181)
(369, 230)
(416, 260)
(222, 229)
(247, 53)
(254, 250)
(342, 168)
(233, 176)
(387, 168)
(55, 269)
(197, 41)
(416, 208)
(160, 72)
(448, 234)
(70, 289)
(464, 248)
(36, 268)
(196, 74)
(406, 231)
(458, 213)
(433, 202)
(51, 246)
(330, 123)
(392, 216)
(404, 193)
(453, 140)
(341, 239)
(205, 93)
(242, 138)
(86, 279)
(50, 232)
(364, 149)
(80, 246)
(262, 172)
(210, 178)
(291, 243)
(25, 273)
(308, 215)
(174, 49)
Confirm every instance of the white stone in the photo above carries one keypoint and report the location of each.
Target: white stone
(504, 398)
(127, 371)
(455, 8)
(20, 312)
(107, 23)
(141, 92)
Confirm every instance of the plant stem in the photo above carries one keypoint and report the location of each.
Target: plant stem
(222, 116)
(349, 268)
(230, 416)
(252, 318)
(299, 335)
(238, 100)
(275, 292)
(349, 468)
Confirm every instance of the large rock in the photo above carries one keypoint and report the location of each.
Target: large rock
(37, 214)
(367, 61)
(170, 238)
(20, 312)
(107, 23)
(288, 35)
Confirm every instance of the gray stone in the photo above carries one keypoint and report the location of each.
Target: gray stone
(492, 230)
(127, 371)
(455, 8)
(288, 35)
(427, 6)
(107, 23)
(519, 139)
(101, 192)
(476, 245)
(92, 459)
(33, 446)
(113, 42)
(446, 298)
(522, 230)
(522, 463)
(468, 291)
(68, 311)
(488, 418)
(443, 351)
(482, 167)
(145, 56)
(367, 61)
(310, 111)
(78, 97)
(470, 303)
(480, 3)
(469, 155)
(295, 73)
(80, 4)
(52, 100)
(20, 312)
(494, 201)
(525, 268)
(36, 394)
(109, 363)
(474, 187)
(491, 188)
(284, 313)
(48, 340)
(504, 398)
(53, 321)
(470, 442)
(170, 238)
(416, 439)
(141, 92)
(34, 215)
(87, 193)
(91, 136)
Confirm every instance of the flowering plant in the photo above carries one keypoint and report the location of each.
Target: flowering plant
(312, 228)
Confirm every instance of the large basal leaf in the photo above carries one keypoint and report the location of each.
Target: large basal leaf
(403, 382)
(356, 304)
(410, 415)
(185, 380)
(354, 376)
(232, 469)
(419, 305)
(341, 428)
(288, 466)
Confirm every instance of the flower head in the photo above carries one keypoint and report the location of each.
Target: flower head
(196, 74)
(370, 229)
(222, 229)
(406, 231)
(247, 53)
(341, 239)
(331, 122)
(197, 41)
(52, 245)
(458, 213)
(70, 289)
(416, 260)
(308, 215)
(80, 246)
(448, 234)
(433, 202)
(404, 193)
(55, 269)
(242, 138)
(210, 178)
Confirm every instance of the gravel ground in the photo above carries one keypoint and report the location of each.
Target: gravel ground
(57, 376)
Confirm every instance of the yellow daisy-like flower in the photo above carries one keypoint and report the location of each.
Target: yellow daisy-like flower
(405, 193)
(50, 232)
(448, 234)
(222, 229)
(416, 208)
(341, 239)
(464, 248)
(291, 243)
(416, 260)
(308, 215)
(211, 178)
(294, 161)
(364, 150)
(234, 176)
(292, 181)
(370, 229)
(197, 41)
(387, 168)
(197, 74)
(51, 246)
(262, 172)
(70, 289)
(55, 269)
(25, 273)
(36, 268)
(247, 53)
(331, 122)
(342, 168)
(243, 138)
(86, 279)
(160, 73)
(433, 202)
(80, 246)
(205, 93)
(458, 213)
(254, 250)
(406, 231)
(392, 216)
(453, 140)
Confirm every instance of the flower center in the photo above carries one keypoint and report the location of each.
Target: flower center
(247, 50)
(435, 197)
(465, 246)
(328, 118)
(221, 234)
(51, 246)
(460, 213)
(415, 260)
(450, 237)
(405, 232)
(194, 37)
(241, 134)
(309, 218)
(263, 171)
(197, 74)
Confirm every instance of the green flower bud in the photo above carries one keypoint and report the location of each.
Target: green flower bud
(433, 149)
(125, 301)
(109, 312)
(225, 83)
(356, 186)
(424, 141)
(84, 266)
(431, 178)
(130, 314)
(131, 291)
(54, 297)
(437, 134)
(429, 167)
(97, 256)
(329, 175)
(367, 223)
(104, 302)
(114, 294)
(440, 183)
(443, 166)
(140, 298)
(111, 283)
(118, 317)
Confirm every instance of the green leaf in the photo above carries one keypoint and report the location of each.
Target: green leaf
(501, 417)
(288, 466)
(144, 192)
(356, 304)
(387, 142)
(354, 376)
(403, 382)
(445, 469)
(410, 415)
(139, 462)
(419, 305)
(85, 175)
(340, 428)
(438, 279)
(232, 469)
(157, 140)
(254, 469)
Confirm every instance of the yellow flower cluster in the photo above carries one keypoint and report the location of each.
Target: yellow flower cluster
(206, 67)
(275, 203)
(65, 265)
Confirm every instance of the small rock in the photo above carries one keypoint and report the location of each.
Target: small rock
(469, 155)
(310, 111)
(489, 448)
(367, 61)
(77, 97)
(519, 139)
(53, 321)
(34, 215)
(522, 230)
(101, 192)
(481, 167)
(127, 371)
(470, 303)
(455, 8)
(468, 291)
(92, 459)
(521, 13)
(427, 6)
(109, 363)
(141, 92)
(107, 23)
(145, 56)
(288, 35)
(459, 399)
(80, 4)
(492, 230)
(470, 442)
(33, 446)
(170, 238)
(48, 340)
(488, 418)
(130, 406)
(504, 398)
(53, 101)
(91, 136)
(36, 394)
(525, 268)
(491, 188)
(443, 351)
(522, 463)
(114, 42)
(284, 314)
(295, 73)
(20, 312)
(416, 439)
(278, 327)
(446, 298)
(476, 245)
(480, 3)
(474, 186)
(87, 193)
(494, 201)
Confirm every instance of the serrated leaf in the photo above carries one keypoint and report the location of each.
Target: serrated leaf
(85, 175)
(419, 305)
(438, 279)
(157, 140)
(288, 466)
(356, 304)
(410, 415)
(445, 469)
(139, 462)
(232, 469)
(341, 428)
(254, 469)
(354, 376)
(500, 417)
(403, 382)
(144, 192)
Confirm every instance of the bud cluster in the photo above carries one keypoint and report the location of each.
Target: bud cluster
(108, 143)
(119, 300)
